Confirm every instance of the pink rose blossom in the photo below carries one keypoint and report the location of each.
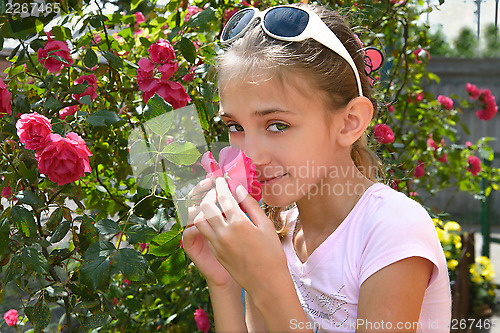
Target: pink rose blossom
(490, 108)
(390, 108)
(238, 167)
(91, 81)
(126, 281)
(5, 100)
(383, 134)
(46, 55)
(64, 160)
(139, 17)
(474, 164)
(145, 78)
(172, 92)
(445, 101)
(10, 317)
(201, 319)
(34, 130)
(191, 10)
(419, 170)
(472, 90)
(6, 192)
(67, 111)
(468, 144)
(161, 52)
(168, 69)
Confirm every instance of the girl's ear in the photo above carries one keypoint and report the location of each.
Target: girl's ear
(355, 120)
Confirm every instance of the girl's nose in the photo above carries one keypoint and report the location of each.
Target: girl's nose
(256, 150)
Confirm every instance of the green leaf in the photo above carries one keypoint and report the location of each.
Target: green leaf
(99, 249)
(171, 270)
(29, 198)
(165, 243)
(36, 44)
(145, 42)
(131, 263)
(90, 59)
(113, 60)
(78, 88)
(38, 315)
(55, 219)
(202, 18)
(95, 273)
(140, 233)
(23, 220)
(103, 118)
(155, 107)
(181, 153)
(15, 268)
(187, 49)
(85, 100)
(107, 227)
(88, 233)
(52, 104)
(160, 219)
(60, 232)
(34, 260)
(134, 4)
(38, 26)
(96, 320)
(4, 234)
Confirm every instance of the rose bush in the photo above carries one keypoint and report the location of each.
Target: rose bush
(75, 218)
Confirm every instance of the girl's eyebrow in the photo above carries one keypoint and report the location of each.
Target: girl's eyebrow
(258, 113)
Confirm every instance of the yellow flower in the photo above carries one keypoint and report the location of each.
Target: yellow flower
(485, 261)
(458, 245)
(452, 264)
(437, 222)
(452, 226)
(491, 292)
(443, 236)
(447, 254)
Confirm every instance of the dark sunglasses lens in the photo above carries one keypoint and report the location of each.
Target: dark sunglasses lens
(286, 21)
(237, 23)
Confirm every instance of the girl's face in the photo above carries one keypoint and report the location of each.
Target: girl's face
(286, 133)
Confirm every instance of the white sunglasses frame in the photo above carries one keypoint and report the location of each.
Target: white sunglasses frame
(315, 29)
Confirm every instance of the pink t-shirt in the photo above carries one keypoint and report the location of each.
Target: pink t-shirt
(385, 226)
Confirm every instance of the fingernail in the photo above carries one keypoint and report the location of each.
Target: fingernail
(241, 193)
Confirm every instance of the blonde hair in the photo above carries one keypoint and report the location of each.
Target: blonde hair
(257, 56)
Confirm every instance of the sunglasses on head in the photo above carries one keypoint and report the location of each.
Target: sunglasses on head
(288, 23)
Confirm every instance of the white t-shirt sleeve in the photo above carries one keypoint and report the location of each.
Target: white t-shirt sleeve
(398, 231)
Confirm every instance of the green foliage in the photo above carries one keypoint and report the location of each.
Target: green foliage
(466, 44)
(105, 250)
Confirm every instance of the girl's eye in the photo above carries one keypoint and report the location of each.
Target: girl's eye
(277, 127)
(234, 128)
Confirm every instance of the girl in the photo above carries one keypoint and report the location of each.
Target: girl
(352, 254)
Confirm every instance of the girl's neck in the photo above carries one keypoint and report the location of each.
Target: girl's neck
(324, 212)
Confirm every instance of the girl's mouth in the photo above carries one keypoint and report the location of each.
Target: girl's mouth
(272, 180)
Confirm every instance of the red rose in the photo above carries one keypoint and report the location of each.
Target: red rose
(420, 53)
(168, 69)
(10, 317)
(6, 192)
(172, 92)
(201, 319)
(68, 111)
(5, 100)
(161, 52)
(64, 160)
(46, 56)
(239, 168)
(145, 78)
(446, 102)
(474, 164)
(91, 81)
(34, 130)
(383, 134)
(419, 170)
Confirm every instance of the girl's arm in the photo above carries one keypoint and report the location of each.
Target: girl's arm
(394, 295)
(253, 318)
(228, 308)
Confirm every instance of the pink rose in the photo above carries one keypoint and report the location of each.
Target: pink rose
(201, 319)
(383, 134)
(446, 102)
(172, 92)
(91, 81)
(419, 170)
(421, 53)
(34, 130)
(6, 192)
(474, 164)
(168, 69)
(191, 10)
(468, 144)
(10, 317)
(238, 167)
(5, 100)
(416, 98)
(139, 17)
(64, 160)
(443, 158)
(46, 56)
(472, 90)
(67, 111)
(161, 52)
(489, 105)
(145, 78)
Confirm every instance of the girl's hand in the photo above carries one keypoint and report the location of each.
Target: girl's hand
(196, 245)
(248, 248)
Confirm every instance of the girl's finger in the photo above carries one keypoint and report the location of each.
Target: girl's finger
(253, 209)
(201, 223)
(225, 198)
(197, 192)
(210, 210)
